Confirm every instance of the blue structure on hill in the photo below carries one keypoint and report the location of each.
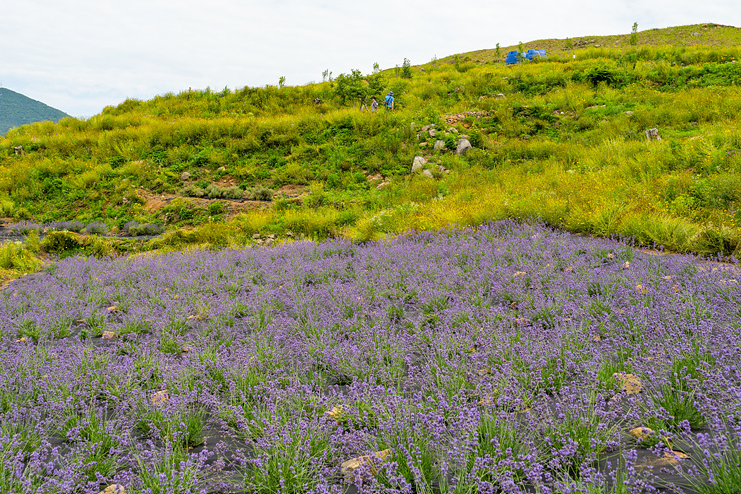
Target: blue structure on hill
(515, 56)
(530, 54)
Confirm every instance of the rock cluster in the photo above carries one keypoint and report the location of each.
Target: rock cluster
(113, 489)
(264, 240)
(420, 165)
(580, 43)
(630, 383)
(459, 117)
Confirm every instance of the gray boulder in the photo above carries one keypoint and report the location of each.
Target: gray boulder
(463, 147)
(439, 145)
(653, 134)
(418, 164)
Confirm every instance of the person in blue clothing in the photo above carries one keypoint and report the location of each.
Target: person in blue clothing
(388, 101)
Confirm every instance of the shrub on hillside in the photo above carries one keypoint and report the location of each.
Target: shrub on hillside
(96, 228)
(213, 191)
(134, 229)
(233, 192)
(65, 243)
(475, 138)
(350, 87)
(601, 73)
(192, 190)
(16, 256)
(259, 193)
(70, 226)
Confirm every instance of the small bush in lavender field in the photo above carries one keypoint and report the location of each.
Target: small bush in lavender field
(66, 243)
(193, 190)
(134, 229)
(498, 442)
(152, 229)
(183, 425)
(168, 344)
(213, 191)
(129, 228)
(69, 226)
(720, 465)
(19, 426)
(96, 228)
(233, 192)
(581, 428)
(26, 227)
(292, 461)
(98, 436)
(170, 469)
(675, 405)
(258, 193)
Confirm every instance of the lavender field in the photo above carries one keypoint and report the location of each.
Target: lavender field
(506, 358)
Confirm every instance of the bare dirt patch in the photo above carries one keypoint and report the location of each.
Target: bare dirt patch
(292, 191)
(156, 202)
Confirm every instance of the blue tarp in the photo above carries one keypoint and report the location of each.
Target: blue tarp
(512, 57)
(534, 53)
(516, 57)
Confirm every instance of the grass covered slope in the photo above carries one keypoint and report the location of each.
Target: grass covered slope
(561, 140)
(17, 110)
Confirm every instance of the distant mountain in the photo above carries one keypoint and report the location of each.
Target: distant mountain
(17, 110)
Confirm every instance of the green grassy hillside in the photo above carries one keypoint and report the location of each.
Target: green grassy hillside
(560, 139)
(696, 35)
(17, 110)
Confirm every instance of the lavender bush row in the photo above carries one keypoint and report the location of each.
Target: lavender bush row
(507, 358)
(131, 228)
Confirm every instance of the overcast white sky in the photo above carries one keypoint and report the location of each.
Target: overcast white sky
(81, 55)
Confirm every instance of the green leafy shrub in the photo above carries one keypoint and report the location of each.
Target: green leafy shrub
(193, 190)
(233, 192)
(213, 191)
(259, 193)
(16, 256)
(134, 229)
(66, 243)
(451, 141)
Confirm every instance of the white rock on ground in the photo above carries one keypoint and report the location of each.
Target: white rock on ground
(418, 163)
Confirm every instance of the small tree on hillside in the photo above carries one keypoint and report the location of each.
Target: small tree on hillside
(634, 35)
(350, 87)
(406, 69)
(376, 84)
